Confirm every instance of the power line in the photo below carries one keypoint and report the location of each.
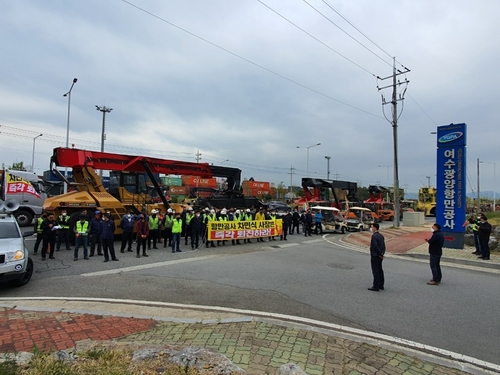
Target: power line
(250, 61)
(345, 32)
(312, 36)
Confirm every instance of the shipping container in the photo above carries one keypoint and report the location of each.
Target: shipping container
(255, 192)
(256, 185)
(171, 181)
(177, 190)
(194, 181)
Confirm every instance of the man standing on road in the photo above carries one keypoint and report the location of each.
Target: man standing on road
(176, 233)
(484, 237)
(435, 251)
(142, 229)
(108, 237)
(377, 251)
(127, 224)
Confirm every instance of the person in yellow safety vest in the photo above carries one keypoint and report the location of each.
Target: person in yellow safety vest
(38, 230)
(222, 217)
(188, 231)
(261, 215)
(272, 216)
(236, 217)
(63, 231)
(81, 230)
(208, 218)
(176, 233)
(154, 229)
(167, 225)
(247, 217)
(203, 234)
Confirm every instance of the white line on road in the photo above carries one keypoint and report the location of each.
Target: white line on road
(146, 266)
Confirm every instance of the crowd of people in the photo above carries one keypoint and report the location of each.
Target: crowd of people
(148, 231)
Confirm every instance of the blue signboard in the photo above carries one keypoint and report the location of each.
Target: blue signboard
(451, 183)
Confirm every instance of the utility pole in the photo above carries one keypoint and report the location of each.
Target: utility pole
(291, 179)
(478, 190)
(328, 167)
(104, 110)
(394, 121)
(198, 156)
(428, 181)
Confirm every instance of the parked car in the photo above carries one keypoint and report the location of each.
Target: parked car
(16, 267)
(278, 206)
(359, 219)
(332, 219)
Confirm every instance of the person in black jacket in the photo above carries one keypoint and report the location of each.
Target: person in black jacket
(108, 237)
(484, 237)
(435, 251)
(377, 251)
(49, 227)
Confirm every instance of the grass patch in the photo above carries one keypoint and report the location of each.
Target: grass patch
(106, 361)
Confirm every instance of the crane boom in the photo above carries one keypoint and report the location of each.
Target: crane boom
(73, 157)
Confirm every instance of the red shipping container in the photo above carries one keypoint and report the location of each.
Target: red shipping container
(261, 185)
(197, 181)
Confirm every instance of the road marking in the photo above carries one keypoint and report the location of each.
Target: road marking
(313, 241)
(146, 266)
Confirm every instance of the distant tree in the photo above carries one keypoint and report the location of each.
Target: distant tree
(282, 190)
(18, 166)
(266, 197)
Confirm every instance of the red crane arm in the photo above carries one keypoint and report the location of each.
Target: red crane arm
(73, 157)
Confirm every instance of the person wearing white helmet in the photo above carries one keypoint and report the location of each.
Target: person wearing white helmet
(167, 224)
(222, 217)
(209, 218)
(235, 217)
(154, 229)
(247, 217)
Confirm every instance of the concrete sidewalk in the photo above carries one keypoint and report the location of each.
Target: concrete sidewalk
(257, 342)
(411, 242)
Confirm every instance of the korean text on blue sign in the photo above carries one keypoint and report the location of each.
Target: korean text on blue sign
(451, 178)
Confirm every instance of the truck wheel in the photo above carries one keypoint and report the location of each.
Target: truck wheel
(24, 218)
(26, 277)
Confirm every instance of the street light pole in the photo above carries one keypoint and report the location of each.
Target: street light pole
(33, 154)
(68, 94)
(104, 110)
(328, 167)
(308, 147)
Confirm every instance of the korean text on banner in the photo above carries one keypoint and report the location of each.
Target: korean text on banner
(17, 185)
(233, 230)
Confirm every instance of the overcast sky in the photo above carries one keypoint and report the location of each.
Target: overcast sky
(245, 82)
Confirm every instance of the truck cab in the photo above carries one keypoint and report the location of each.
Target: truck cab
(24, 194)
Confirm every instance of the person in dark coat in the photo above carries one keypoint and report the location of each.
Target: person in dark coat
(49, 227)
(295, 222)
(435, 251)
(287, 224)
(142, 229)
(377, 251)
(95, 233)
(127, 225)
(484, 237)
(196, 227)
(108, 237)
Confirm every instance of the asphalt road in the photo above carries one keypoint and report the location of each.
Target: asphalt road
(305, 276)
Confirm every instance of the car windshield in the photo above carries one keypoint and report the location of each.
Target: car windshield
(9, 230)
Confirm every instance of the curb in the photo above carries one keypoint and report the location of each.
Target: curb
(411, 348)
